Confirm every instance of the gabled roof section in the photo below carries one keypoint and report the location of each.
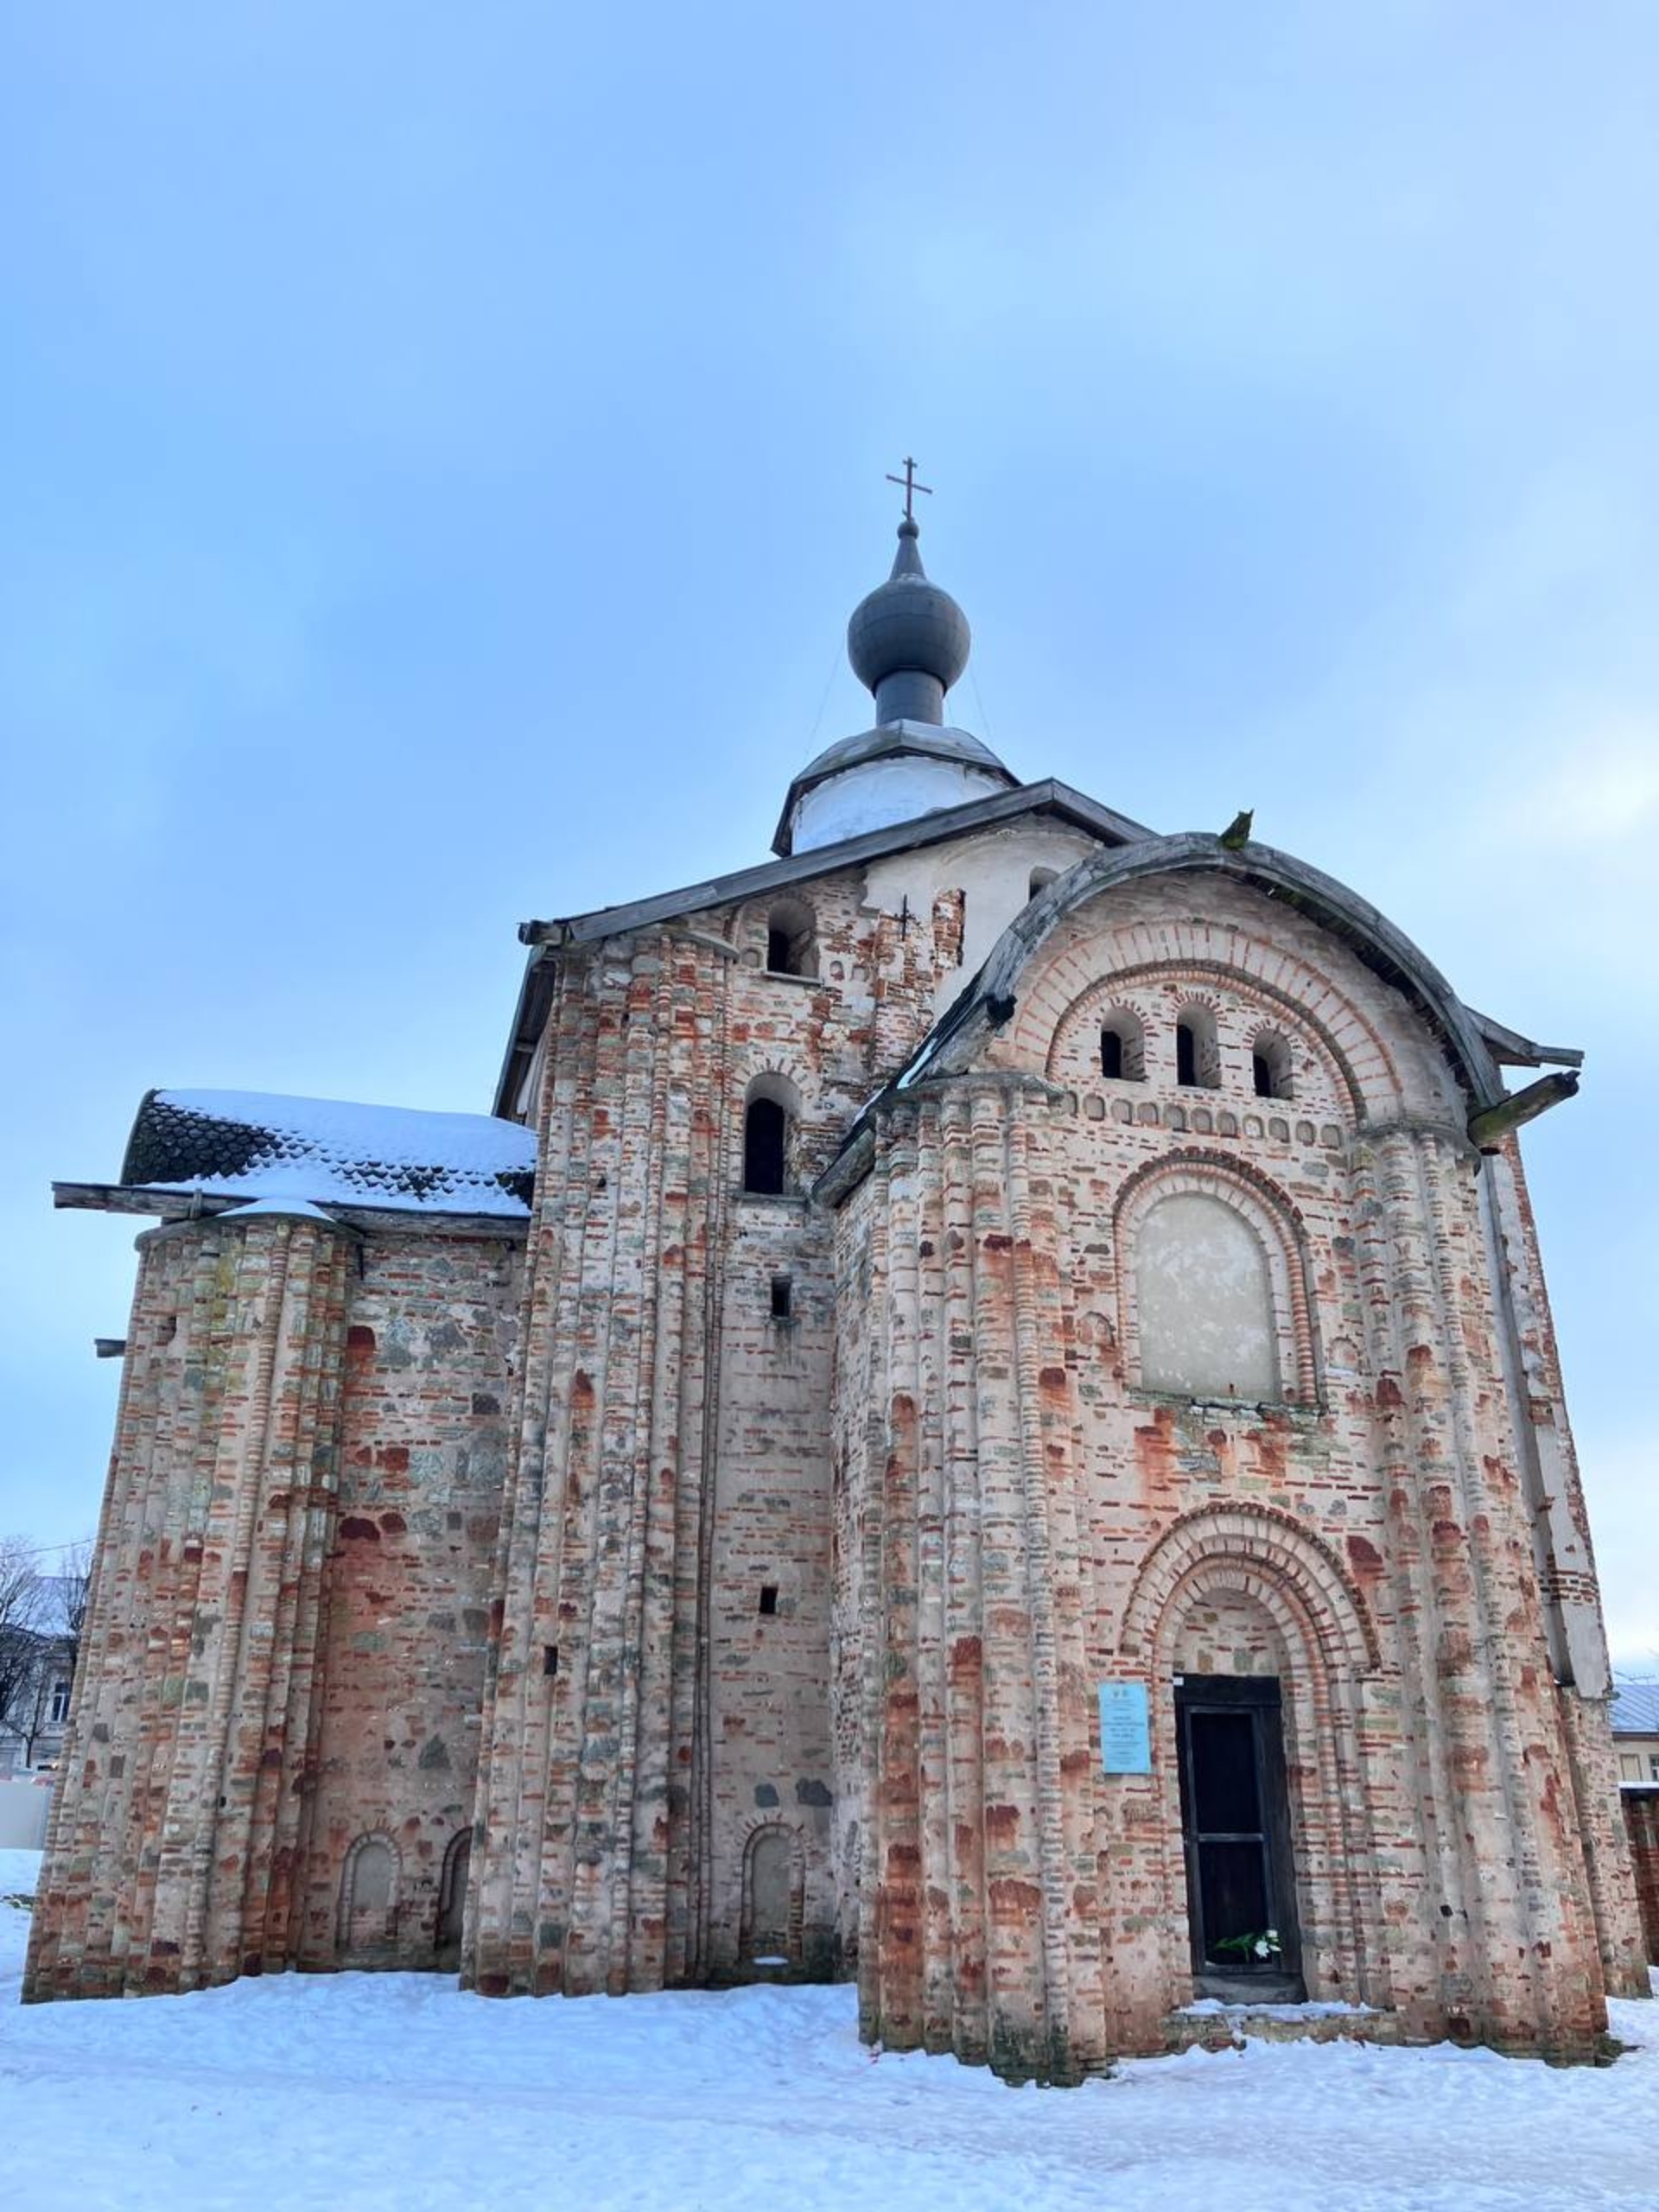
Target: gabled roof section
(989, 999)
(244, 1144)
(1384, 949)
(1048, 796)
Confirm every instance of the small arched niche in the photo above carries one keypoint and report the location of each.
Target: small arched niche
(773, 1879)
(1040, 880)
(452, 1897)
(1203, 1300)
(1270, 1066)
(1197, 1052)
(368, 1896)
(770, 1108)
(792, 939)
(1122, 1046)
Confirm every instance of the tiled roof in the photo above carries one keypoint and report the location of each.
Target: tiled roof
(1636, 1708)
(255, 1145)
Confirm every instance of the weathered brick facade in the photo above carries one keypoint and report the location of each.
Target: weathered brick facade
(285, 1649)
(710, 1567)
(1023, 1520)
(1642, 1824)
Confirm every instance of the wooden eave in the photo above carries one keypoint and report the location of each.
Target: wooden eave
(172, 1206)
(1046, 797)
(1511, 1049)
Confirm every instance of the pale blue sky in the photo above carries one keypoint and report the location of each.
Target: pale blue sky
(442, 448)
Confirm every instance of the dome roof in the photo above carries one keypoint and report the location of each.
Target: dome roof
(908, 624)
(941, 741)
(908, 641)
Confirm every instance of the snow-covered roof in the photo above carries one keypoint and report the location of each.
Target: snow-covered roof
(1636, 1708)
(330, 1152)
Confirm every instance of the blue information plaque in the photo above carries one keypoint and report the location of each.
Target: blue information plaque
(1125, 1729)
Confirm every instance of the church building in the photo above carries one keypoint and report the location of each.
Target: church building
(981, 1415)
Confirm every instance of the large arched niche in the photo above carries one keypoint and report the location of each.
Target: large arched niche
(1226, 1212)
(1203, 1301)
(1240, 1589)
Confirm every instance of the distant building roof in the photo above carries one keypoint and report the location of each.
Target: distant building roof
(324, 1151)
(1636, 1708)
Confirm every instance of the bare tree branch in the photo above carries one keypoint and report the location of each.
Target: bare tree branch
(22, 1597)
(74, 1591)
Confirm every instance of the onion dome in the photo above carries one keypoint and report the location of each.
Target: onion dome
(908, 640)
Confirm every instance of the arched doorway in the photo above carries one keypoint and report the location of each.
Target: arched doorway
(1257, 1650)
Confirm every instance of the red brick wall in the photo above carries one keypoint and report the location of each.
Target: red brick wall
(677, 1452)
(431, 1327)
(385, 1515)
(264, 1680)
(1034, 1520)
(1642, 1824)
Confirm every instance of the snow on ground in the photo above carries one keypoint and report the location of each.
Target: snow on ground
(394, 2091)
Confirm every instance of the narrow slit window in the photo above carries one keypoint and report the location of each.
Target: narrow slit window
(550, 1659)
(1270, 1067)
(768, 1599)
(1197, 1052)
(782, 1298)
(1123, 1047)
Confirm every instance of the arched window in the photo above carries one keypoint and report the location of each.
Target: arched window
(1203, 1301)
(1122, 1046)
(765, 1133)
(1198, 1056)
(772, 1107)
(791, 945)
(1270, 1067)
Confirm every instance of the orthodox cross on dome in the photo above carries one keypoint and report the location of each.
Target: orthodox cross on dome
(908, 480)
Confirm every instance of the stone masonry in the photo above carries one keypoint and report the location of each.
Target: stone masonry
(1641, 1822)
(989, 1253)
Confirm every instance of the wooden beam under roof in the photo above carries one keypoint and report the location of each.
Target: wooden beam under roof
(175, 1206)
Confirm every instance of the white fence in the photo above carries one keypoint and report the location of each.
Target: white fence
(24, 1808)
